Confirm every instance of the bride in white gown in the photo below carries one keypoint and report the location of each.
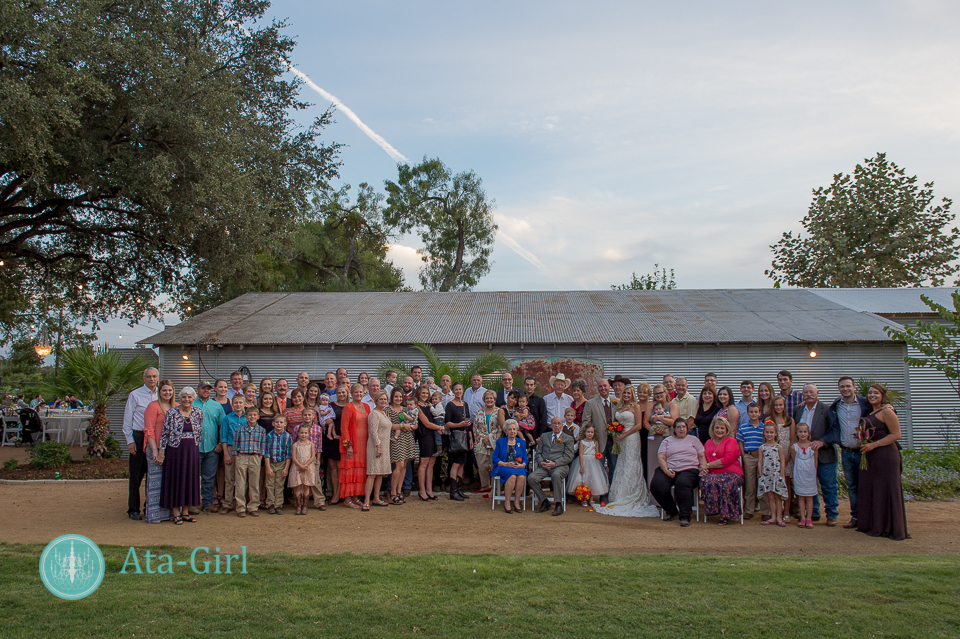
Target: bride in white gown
(628, 492)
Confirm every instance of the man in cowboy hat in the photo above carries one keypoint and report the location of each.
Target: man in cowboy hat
(558, 401)
(618, 383)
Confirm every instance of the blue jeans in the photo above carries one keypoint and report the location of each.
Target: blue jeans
(851, 470)
(827, 476)
(208, 472)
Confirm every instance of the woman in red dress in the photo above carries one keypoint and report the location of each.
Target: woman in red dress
(353, 448)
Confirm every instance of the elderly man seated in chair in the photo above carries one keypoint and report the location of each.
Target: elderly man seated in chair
(554, 454)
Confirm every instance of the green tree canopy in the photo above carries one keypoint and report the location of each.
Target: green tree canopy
(453, 217)
(876, 228)
(139, 138)
(938, 342)
(342, 246)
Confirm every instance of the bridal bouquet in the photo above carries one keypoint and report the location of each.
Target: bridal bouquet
(864, 436)
(613, 430)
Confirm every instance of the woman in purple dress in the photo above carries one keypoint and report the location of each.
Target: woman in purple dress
(180, 456)
(880, 506)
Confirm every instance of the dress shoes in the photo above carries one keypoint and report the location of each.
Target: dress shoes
(851, 524)
(558, 510)
(134, 516)
(544, 506)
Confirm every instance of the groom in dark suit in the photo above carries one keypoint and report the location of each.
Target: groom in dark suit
(554, 454)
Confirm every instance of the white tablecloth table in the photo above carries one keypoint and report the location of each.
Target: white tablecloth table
(68, 423)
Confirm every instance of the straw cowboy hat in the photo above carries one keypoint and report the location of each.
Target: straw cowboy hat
(560, 377)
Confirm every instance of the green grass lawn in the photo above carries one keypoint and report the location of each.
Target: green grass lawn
(498, 596)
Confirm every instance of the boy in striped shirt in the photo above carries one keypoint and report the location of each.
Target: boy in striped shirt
(278, 463)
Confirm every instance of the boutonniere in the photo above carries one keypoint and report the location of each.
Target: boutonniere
(559, 439)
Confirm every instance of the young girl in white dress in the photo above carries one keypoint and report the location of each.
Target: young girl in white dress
(586, 469)
(804, 474)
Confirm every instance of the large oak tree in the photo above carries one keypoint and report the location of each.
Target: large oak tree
(876, 228)
(139, 138)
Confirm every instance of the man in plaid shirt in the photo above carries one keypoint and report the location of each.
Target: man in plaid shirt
(316, 436)
(793, 398)
(277, 453)
(248, 445)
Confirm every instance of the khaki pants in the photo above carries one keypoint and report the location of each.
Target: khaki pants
(318, 499)
(485, 464)
(229, 482)
(247, 478)
(275, 484)
(750, 464)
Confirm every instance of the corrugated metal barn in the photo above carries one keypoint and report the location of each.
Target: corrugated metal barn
(737, 334)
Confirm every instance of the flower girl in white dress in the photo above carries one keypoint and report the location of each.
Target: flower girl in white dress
(586, 469)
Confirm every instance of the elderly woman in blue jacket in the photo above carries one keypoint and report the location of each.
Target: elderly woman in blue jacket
(510, 465)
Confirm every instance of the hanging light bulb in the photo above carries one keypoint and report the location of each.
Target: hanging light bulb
(42, 347)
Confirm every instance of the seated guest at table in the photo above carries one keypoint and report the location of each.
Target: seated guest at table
(720, 488)
(707, 409)
(510, 465)
(180, 486)
(881, 512)
(681, 465)
(554, 454)
(152, 430)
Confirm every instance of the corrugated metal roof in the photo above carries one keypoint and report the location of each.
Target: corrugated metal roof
(584, 317)
(887, 301)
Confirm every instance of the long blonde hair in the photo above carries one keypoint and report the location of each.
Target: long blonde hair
(173, 399)
(623, 398)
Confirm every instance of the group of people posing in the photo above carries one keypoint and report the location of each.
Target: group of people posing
(639, 451)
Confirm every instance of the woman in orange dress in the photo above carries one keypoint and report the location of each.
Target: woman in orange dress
(353, 448)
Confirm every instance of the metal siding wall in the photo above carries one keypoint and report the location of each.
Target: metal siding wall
(935, 403)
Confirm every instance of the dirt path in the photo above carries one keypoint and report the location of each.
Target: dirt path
(40, 512)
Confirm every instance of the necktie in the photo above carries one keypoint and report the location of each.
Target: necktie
(606, 410)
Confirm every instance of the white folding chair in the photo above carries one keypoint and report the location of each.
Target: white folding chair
(696, 503)
(499, 496)
(550, 482)
(80, 433)
(11, 430)
(740, 493)
(48, 430)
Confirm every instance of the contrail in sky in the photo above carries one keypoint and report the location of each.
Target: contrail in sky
(370, 133)
(524, 253)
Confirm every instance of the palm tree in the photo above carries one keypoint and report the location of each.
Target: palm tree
(896, 397)
(490, 362)
(99, 375)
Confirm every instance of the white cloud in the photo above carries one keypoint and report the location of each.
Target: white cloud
(408, 260)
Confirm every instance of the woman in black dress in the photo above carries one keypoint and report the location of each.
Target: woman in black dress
(880, 506)
(458, 418)
(331, 442)
(707, 409)
(427, 440)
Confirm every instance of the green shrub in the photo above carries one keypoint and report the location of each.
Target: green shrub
(50, 455)
(10, 464)
(114, 449)
(932, 473)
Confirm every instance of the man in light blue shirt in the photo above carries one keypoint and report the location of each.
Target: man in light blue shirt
(746, 398)
(213, 416)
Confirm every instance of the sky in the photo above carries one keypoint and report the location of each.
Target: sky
(614, 136)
